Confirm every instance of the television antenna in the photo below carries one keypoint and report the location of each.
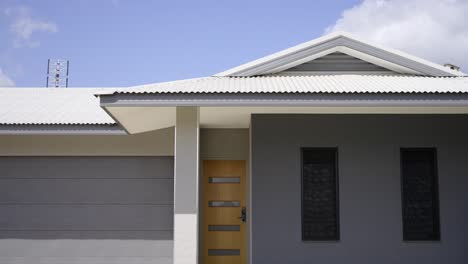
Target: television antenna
(57, 73)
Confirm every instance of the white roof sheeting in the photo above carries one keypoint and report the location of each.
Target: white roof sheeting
(307, 84)
(79, 106)
(52, 106)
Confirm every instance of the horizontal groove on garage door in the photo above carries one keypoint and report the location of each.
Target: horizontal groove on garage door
(84, 191)
(88, 234)
(86, 217)
(87, 167)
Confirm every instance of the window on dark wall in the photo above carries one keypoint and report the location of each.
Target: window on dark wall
(320, 217)
(420, 202)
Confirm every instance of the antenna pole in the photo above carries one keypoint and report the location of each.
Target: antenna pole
(57, 73)
(48, 67)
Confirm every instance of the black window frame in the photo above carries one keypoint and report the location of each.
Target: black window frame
(337, 236)
(435, 196)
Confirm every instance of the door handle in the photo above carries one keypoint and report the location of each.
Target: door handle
(243, 216)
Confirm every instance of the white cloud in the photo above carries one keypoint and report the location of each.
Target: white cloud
(5, 81)
(24, 25)
(432, 29)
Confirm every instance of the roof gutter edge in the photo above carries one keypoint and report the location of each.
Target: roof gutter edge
(61, 130)
(333, 100)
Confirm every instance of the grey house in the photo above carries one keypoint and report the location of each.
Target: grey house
(332, 151)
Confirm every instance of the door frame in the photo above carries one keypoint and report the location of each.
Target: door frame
(248, 205)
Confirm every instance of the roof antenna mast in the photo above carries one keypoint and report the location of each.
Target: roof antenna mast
(57, 73)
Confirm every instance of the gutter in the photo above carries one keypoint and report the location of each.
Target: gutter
(271, 100)
(45, 129)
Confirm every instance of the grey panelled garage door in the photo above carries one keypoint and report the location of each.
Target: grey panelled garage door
(72, 210)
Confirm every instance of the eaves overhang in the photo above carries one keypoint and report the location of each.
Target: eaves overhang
(138, 113)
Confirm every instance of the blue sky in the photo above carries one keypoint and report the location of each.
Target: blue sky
(124, 43)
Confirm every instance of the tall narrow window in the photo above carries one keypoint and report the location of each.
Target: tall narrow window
(319, 194)
(420, 194)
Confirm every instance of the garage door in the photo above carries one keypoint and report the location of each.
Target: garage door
(86, 210)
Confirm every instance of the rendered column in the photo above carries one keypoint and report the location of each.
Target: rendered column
(186, 185)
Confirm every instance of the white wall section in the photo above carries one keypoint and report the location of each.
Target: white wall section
(185, 239)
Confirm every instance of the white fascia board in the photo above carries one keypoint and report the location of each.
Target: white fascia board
(322, 103)
(368, 100)
(239, 70)
(378, 61)
(400, 58)
(351, 52)
(397, 53)
(260, 66)
(335, 42)
(300, 61)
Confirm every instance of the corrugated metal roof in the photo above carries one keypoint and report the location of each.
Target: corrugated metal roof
(52, 106)
(79, 106)
(307, 84)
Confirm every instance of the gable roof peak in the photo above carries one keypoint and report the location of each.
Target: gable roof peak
(343, 42)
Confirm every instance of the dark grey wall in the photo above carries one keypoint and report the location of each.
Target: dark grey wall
(86, 209)
(369, 175)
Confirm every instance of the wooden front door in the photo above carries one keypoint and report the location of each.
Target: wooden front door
(224, 212)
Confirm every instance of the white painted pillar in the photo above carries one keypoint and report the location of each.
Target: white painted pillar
(186, 185)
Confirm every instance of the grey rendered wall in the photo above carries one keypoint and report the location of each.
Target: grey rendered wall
(80, 210)
(369, 175)
(230, 144)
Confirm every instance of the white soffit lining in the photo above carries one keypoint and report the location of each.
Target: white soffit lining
(143, 119)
